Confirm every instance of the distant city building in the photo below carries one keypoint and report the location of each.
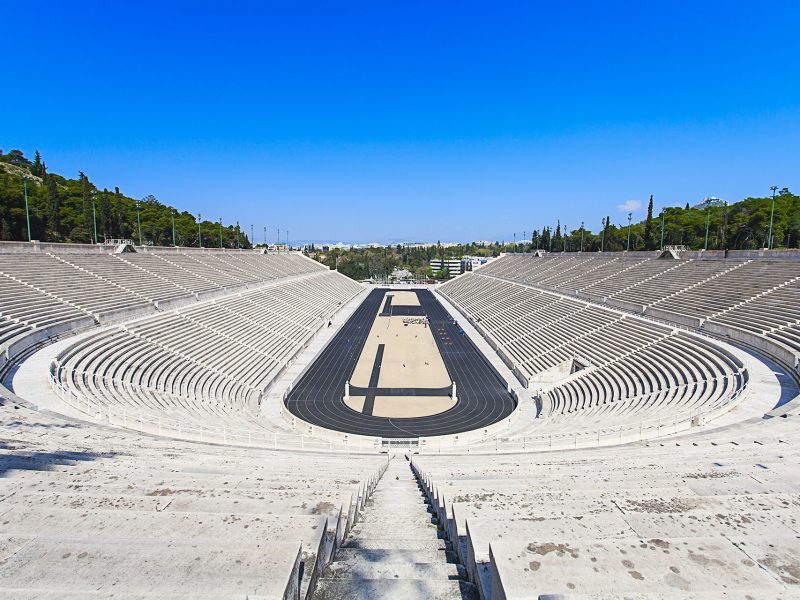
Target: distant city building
(451, 265)
(470, 263)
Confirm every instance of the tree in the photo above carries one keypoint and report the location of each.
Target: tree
(649, 239)
(86, 195)
(546, 239)
(16, 157)
(557, 244)
(105, 215)
(37, 168)
(53, 210)
(122, 228)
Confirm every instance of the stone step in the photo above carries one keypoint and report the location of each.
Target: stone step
(364, 569)
(397, 543)
(386, 528)
(397, 497)
(395, 556)
(408, 505)
(410, 488)
(396, 516)
(394, 589)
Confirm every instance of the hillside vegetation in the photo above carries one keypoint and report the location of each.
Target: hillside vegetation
(66, 210)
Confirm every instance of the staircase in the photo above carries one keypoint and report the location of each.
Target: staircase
(396, 550)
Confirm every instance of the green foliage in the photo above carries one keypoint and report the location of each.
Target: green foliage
(742, 225)
(64, 210)
(649, 239)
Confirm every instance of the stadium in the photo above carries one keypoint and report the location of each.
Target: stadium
(400, 300)
(214, 423)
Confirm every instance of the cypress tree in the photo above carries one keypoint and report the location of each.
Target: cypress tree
(557, 245)
(649, 242)
(120, 229)
(105, 215)
(86, 194)
(37, 168)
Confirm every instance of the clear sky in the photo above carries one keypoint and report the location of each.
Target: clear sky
(386, 121)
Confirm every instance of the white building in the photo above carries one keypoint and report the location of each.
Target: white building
(451, 265)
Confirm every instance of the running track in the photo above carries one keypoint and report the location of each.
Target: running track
(482, 395)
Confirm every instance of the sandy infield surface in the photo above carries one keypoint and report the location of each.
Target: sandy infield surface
(411, 359)
(404, 407)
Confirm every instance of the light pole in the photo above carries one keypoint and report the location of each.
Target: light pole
(139, 222)
(94, 218)
(630, 215)
(663, 212)
(252, 236)
(199, 233)
(581, 236)
(771, 215)
(220, 232)
(27, 209)
(172, 214)
(603, 237)
(237, 235)
(278, 242)
(287, 240)
(265, 236)
(708, 222)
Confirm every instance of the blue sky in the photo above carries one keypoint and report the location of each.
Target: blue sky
(407, 120)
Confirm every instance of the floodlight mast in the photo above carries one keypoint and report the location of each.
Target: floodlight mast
(139, 222)
(630, 215)
(94, 218)
(774, 188)
(603, 237)
(27, 210)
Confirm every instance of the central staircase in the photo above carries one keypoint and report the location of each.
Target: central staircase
(397, 550)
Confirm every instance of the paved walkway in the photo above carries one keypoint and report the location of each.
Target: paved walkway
(396, 550)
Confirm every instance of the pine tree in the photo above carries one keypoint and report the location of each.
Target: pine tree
(37, 168)
(546, 239)
(105, 215)
(86, 194)
(649, 241)
(557, 245)
(120, 229)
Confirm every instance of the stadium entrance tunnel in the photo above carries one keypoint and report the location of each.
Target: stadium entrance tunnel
(401, 367)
